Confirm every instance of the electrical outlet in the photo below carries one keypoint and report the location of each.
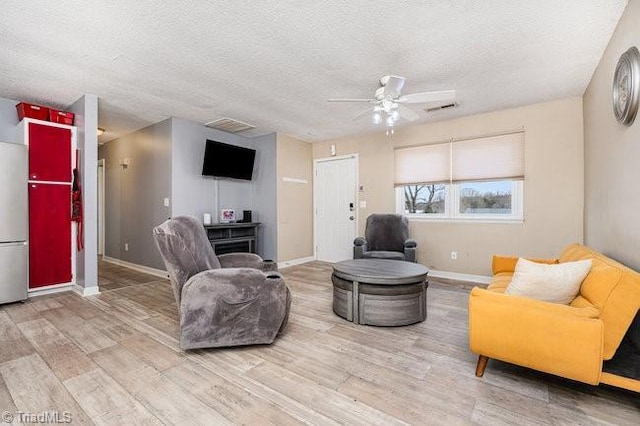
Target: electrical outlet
(166, 202)
(454, 255)
(126, 247)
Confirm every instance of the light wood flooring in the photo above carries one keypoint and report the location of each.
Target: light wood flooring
(114, 359)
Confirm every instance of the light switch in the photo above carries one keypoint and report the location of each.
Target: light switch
(166, 202)
(363, 204)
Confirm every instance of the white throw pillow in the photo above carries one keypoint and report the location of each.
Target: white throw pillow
(557, 283)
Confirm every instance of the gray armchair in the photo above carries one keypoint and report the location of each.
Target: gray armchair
(226, 300)
(386, 237)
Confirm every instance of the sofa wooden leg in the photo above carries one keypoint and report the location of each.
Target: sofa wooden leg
(482, 364)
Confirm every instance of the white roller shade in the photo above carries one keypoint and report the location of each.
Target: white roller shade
(484, 158)
(490, 158)
(422, 164)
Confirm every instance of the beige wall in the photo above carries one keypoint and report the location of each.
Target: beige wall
(295, 200)
(553, 201)
(612, 152)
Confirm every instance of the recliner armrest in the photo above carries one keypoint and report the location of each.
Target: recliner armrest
(410, 243)
(360, 241)
(240, 260)
(359, 247)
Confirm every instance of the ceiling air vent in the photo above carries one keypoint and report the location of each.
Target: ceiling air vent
(229, 125)
(440, 107)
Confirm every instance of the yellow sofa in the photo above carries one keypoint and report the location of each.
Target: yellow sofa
(572, 340)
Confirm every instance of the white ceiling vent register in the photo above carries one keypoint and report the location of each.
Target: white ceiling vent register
(230, 125)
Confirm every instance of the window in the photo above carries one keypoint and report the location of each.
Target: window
(428, 199)
(482, 201)
(485, 198)
(474, 179)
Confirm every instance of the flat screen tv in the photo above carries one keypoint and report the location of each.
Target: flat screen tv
(230, 161)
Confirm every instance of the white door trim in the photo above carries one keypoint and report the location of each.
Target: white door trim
(101, 199)
(315, 192)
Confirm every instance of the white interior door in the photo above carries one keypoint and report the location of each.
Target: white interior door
(336, 208)
(101, 207)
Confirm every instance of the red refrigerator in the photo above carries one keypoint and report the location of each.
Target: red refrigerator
(50, 179)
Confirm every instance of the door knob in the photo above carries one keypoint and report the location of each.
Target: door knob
(351, 218)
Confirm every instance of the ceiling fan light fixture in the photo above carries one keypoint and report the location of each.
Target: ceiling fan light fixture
(390, 121)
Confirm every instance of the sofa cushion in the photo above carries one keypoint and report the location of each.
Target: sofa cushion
(551, 283)
(500, 282)
(501, 263)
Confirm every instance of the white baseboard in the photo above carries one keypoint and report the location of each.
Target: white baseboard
(140, 268)
(481, 279)
(50, 289)
(89, 291)
(294, 262)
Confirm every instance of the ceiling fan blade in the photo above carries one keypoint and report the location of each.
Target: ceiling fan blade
(427, 97)
(408, 114)
(392, 85)
(351, 100)
(361, 113)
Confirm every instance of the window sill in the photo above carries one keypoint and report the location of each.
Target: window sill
(478, 220)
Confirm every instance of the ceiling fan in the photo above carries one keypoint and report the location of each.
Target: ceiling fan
(388, 98)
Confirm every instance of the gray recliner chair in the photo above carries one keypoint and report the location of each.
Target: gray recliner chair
(386, 237)
(226, 300)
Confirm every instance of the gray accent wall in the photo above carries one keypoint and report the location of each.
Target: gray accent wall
(8, 120)
(86, 120)
(134, 195)
(194, 194)
(264, 194)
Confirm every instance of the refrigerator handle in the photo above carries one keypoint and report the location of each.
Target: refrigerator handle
(13, 244)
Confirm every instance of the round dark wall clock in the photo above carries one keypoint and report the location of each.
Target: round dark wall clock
(626, 87)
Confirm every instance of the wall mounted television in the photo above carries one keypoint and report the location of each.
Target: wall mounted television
(230, 161)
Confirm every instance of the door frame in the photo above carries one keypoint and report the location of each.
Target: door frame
(101, 200)
(315, 194)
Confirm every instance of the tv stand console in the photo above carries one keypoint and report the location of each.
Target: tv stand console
(238, 237)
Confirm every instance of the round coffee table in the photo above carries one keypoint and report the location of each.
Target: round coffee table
(380, 292)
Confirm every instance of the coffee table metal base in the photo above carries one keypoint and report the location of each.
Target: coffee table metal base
(381, 305)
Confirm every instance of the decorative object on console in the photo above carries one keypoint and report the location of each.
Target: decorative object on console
(227, 215)
(626, 86)
(226, 300)
(246, 216)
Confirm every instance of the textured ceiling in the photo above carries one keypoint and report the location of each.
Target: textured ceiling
(274, 63)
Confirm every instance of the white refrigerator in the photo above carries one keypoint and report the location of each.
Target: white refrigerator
(14, 222)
